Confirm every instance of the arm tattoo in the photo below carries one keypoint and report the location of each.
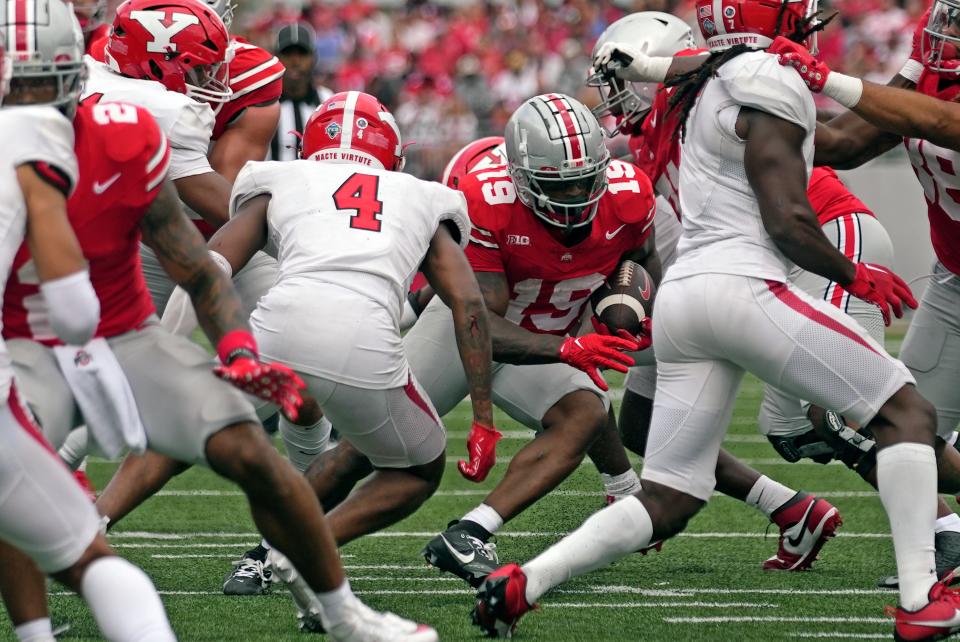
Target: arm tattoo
(184, 256)
(473, 341)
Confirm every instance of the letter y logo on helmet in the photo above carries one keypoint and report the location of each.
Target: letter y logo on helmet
(153, 22)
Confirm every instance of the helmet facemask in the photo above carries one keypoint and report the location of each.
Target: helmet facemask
(36, 82)
(940, 46)
(208, 83)
(627, 102)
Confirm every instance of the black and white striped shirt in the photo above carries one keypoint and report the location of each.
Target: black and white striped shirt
(294, 114)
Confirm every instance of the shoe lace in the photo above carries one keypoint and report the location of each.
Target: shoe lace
(249, 568)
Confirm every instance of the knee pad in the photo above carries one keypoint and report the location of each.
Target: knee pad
(803, 446)
(856, 449)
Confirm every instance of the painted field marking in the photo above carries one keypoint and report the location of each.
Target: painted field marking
(732, 619)
(832, 635)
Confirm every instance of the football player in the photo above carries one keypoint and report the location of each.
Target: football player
(550, 226)
(726, 307)
(44, 512)
(349, 246)
(816, 433)
(92, 17)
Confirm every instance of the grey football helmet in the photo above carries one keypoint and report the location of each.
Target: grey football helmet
(46, 44)
(660, 34)
(224, 9)
(90, 13)
(557, 159)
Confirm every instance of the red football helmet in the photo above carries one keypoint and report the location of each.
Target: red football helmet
(725, 23)
(355, 127)
(475, 155)
(179, 43)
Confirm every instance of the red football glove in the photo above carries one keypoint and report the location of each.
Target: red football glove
(594, 351)
(644, 339)
(813, 72)
(482, 450)
(241, 367)
(878, 285)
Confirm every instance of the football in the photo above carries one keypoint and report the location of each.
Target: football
(625, 299)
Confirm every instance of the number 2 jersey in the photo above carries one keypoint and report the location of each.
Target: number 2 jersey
(550, 283)
(123, 158)
(357, 234)
(43, 138)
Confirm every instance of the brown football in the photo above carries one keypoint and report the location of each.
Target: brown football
(625, 299)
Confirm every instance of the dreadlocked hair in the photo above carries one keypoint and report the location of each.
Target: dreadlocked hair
(691, 83)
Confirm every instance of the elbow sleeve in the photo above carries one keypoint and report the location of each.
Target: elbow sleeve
(73, 307)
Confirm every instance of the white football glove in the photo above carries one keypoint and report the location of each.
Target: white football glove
(631, 62)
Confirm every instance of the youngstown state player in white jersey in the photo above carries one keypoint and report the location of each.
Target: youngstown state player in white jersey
(43, 511)
(725, 307)
(351, 232)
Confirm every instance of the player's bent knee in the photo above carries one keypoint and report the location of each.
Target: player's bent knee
(670, 509)
(242, 452)
(906, 416)
(634, 422)
(581, 410)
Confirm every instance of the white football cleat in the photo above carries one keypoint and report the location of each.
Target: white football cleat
(367, 625)
(309, 611)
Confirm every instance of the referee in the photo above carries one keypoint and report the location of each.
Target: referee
(295, 48)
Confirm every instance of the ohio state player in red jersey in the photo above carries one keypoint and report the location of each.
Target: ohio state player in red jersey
(550, 226)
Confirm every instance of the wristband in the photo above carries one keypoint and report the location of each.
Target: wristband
(911, 70)
(222, 262)
(237, 343)
(846, 90)
(657, 68)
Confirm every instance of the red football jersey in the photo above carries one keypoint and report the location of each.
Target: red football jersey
(830, 198)
(255, 78)
(938, 170)
(123, 158)
(551, 283)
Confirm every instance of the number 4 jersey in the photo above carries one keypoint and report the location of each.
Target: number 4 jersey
(550, 283)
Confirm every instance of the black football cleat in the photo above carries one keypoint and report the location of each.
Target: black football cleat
(947, 545)
(457, 551)
(249, 575)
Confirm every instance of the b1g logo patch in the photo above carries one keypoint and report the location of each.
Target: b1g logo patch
(333, 130)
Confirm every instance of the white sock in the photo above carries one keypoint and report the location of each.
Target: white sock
(35, 631)
(949, 522)
(621, 485)
(337, 604)
(488, 518)
(73, 452)
(768, 495)
(907, 481)
(616, 531)
(124, 602)
(304, 443)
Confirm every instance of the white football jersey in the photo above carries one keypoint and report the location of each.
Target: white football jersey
(30, 134)
(187, 124)
(722, 229)
(361, 230)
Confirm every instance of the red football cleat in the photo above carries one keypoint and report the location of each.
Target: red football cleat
(85, 484)
(806, 523)
(937, 620)
(501, 601)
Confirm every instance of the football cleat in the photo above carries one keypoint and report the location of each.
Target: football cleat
(939, 619)
(366, 625)
(468, 557)
(86, 484)
(806, 523)
(249, 576)
(947, 545)
(501, 601)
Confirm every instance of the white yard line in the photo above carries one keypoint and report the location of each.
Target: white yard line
(731, 619)
(833, 635)
(684, 592)
(661, 605)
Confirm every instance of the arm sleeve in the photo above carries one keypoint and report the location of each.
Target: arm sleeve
(455, 212)
(190, 140)
(74, 307)
(764, 85)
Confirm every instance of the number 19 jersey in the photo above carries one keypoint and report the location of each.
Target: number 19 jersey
(550, 283)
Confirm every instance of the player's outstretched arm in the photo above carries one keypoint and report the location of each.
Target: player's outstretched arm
(449, 274)
(245, 140)
(208, 195)
(74, 307)
(184, 256)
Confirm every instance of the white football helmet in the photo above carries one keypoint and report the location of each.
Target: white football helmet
(657, 34)
(224, 9)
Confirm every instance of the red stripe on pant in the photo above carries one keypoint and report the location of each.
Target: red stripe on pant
(783, 292)
(417, 398)
(850, 243)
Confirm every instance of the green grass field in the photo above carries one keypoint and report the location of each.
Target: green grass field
(706, 584)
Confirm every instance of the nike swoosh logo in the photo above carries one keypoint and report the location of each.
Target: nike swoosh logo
(100, 188)
(647, 287)
(610, 235)
(804, 532)
(951, 623)
(463, 559)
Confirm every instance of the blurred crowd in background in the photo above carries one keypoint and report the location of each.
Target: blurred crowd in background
(453, 72)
